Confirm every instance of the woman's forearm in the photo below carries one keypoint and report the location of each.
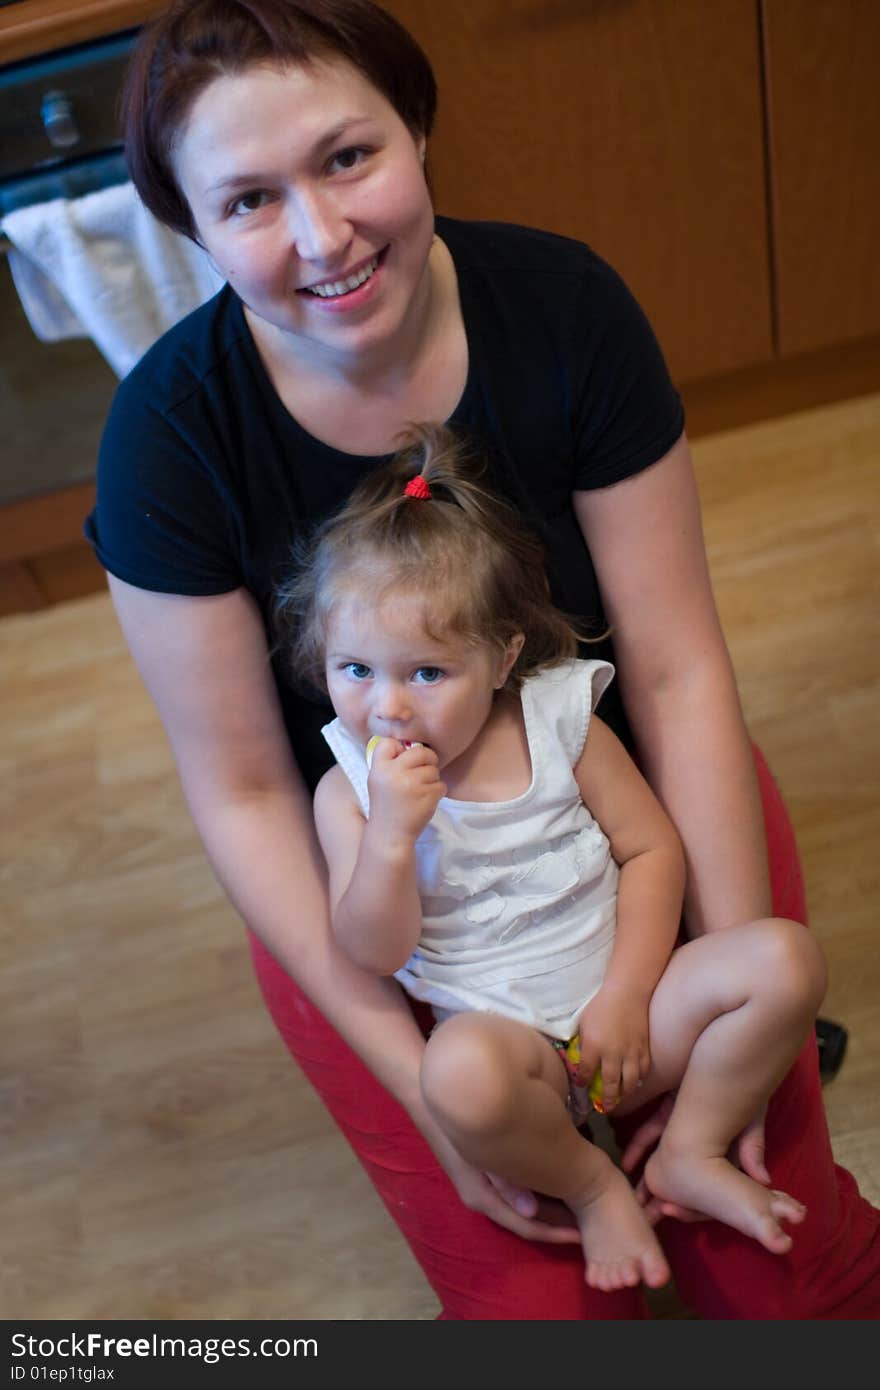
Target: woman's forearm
(695, 751)
(265, 853)
(645, 537)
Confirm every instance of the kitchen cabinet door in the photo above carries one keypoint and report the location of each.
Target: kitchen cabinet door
(824, 139)
(635, 125)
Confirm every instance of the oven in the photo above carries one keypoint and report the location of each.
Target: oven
(59, 138)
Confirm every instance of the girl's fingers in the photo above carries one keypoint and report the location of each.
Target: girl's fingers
(611, 1079)
(631, 1074)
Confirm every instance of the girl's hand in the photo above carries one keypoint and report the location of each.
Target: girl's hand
(613, 1032)
(405, 787)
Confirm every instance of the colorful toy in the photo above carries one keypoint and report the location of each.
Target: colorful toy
(371, 747)
(571, 1053)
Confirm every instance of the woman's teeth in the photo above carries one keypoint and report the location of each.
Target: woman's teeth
(336, 287)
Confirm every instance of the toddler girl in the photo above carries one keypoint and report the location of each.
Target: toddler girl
(492, 845)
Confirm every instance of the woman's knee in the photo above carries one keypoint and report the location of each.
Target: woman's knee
(467, 1078)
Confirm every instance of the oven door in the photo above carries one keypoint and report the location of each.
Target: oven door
(54, 399)
(59, 138)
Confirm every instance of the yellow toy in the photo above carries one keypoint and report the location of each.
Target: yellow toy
(371, 747)
(571, 1052)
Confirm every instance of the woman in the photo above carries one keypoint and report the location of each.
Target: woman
(289, 140)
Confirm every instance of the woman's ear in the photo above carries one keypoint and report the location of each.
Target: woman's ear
(508, 660)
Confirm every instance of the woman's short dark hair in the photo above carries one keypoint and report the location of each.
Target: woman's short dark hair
(194, 41)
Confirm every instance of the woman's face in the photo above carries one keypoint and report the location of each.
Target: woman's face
(308, 191)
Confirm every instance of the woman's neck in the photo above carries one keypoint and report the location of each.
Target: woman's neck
(386, 369)
(363, 407)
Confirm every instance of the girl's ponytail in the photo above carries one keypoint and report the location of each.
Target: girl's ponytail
(425, 524)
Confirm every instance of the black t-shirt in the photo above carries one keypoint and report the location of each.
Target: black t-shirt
(205, 479)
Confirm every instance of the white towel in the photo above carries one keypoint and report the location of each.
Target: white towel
(102, 267)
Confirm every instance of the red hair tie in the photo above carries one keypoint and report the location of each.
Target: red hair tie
(417, 487)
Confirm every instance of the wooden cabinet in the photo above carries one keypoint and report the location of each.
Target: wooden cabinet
(723, 156)
(635, 125)
(823, 121)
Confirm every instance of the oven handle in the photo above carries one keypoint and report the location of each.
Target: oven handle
(71, 180)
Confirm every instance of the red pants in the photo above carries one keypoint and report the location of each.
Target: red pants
(480, 1271)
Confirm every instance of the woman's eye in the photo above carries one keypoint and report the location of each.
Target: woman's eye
(349, 158)
(429, 675)
(357, 670)
(248, 202)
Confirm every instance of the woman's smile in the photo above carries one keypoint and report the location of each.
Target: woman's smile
(350, 290)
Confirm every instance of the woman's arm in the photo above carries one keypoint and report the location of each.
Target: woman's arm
(646, 541)
(204, 661)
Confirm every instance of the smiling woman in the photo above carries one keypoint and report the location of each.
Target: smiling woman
(288, 137)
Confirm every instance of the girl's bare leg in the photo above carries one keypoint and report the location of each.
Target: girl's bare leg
(498, 1090)
(727, 1020)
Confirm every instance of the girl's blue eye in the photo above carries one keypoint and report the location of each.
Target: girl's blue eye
(429, 675)
(358, 670)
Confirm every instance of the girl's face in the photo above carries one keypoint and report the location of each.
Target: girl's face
(387, 676)
(308, 192)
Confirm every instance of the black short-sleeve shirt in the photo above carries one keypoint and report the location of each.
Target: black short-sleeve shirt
(205, 479)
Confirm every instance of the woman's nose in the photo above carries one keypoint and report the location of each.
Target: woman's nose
(320, 231)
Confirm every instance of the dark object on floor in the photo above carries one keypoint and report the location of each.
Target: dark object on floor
(832, 1039)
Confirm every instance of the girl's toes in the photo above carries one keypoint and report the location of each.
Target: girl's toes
(774, 1238)
(655, 1270)
(786, 1208)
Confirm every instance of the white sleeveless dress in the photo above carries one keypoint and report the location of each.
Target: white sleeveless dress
(519, 897)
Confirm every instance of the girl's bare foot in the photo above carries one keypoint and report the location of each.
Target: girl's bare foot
(620, 1249)
(713, 1186)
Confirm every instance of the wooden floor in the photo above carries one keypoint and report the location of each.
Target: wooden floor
(161, 1157)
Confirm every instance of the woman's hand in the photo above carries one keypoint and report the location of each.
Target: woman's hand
(749, 1147)
(514, 1208)
(613, 1032)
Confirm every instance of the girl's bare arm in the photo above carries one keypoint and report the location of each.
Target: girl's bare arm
(374, 900)
(648, 851)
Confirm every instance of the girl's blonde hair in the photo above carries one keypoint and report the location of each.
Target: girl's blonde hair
(465, 553)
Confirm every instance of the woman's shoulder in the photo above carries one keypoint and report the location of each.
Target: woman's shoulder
(508, 246)
(187, 356)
